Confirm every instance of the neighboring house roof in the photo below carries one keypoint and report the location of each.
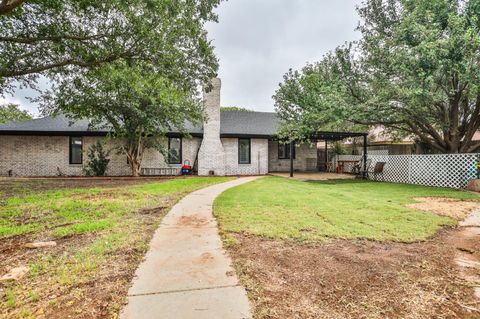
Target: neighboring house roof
(476, 136)
(232, 123)
(379, 136)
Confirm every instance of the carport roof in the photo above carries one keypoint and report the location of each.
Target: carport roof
(336, 136)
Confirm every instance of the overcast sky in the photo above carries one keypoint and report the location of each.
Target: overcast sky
(257, 41)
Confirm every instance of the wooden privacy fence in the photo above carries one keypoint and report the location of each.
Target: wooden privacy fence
(439, 170)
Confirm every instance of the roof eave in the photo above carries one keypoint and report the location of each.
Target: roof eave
(104, 133)
(53, 133)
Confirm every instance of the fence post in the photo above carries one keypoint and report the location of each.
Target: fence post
(410, 157)
(365, 141)
(291, 159)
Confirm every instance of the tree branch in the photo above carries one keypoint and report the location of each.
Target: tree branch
(472, 126)
(425, 138)
(473, 148)
(7, 6)
(30, 40)
(38, 69)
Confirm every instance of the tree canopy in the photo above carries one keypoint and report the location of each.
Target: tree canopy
(415, 71)
(58, 38)
(235, 108)
(11, 112)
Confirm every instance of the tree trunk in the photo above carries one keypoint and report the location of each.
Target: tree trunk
(7, 6)
(135, 166)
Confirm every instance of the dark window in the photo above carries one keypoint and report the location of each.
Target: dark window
(284, 151)
(175, 150)
(244, 151)
(76, 149)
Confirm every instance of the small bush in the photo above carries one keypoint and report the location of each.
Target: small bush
(98, 160)
(339, 148)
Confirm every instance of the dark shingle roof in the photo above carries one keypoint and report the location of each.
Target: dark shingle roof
(51, 124)
(248, 123)
(233, 123)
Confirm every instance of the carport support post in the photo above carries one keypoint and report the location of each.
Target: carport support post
(291, 159)
(365, 156)
(326, 156)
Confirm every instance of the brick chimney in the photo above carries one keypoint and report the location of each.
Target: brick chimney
(211, 156)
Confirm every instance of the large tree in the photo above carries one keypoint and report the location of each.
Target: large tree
(415, 70)
(57, 38)
(12, 112)
(136, 105)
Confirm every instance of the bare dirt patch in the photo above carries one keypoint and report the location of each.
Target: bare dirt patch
(193, 221)
(18, 186)
(354, 279)
(451, 207)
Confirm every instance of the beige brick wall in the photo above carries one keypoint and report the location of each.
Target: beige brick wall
(36, 156)
(305, 158)
(48, 156)
(259, 157)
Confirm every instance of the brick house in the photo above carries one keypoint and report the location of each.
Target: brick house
(228, 143)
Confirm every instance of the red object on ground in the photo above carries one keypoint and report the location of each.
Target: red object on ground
(340, 168)
(474, 185)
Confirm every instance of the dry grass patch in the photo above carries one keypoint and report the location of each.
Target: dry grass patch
(450, 207)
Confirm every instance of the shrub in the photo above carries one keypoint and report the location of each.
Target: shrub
(98, 160)
(338, 148)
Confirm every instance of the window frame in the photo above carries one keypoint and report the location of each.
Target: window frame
(70, 150)
(249, 150)
(180, 158)
(287, 150)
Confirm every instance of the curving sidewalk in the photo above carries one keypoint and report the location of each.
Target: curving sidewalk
(186, 272)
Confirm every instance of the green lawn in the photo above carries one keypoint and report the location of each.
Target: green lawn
(277, 207)
(102, 235)
(87, 210)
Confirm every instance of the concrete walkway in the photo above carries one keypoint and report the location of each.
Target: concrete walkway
(186, 273)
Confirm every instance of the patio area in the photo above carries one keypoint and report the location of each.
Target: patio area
(326, 137)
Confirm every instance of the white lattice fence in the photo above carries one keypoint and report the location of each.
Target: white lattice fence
(377, 152)
(440, 170)
(396, 167)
